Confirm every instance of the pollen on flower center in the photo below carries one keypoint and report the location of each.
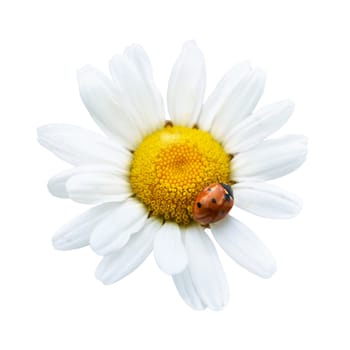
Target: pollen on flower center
(172, 165)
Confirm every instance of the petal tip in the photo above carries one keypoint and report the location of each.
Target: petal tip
(133, 47)
(100, 277)
(42, 131)
(298, 206)
(58, 242)
(304, 139)
(261, 74)
(101, 274)
(190, 43)
(246, 64)
(268, 273)
(289, 106)
(217, 307)
(84, 71)
(87, 68)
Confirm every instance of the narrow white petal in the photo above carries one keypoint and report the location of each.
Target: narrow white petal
(80, 146)
(229, 85)
(57, 184)
(271, 159)
(243, 246)
(207, 274)
(114, 267)
(239, 105)
(114, 231)
(98, 186)
(107, 107)
(266, 200)
(261, 124)
(187, 291)
(187, 85)
(76, 233)
(132, 73)
(169, 251)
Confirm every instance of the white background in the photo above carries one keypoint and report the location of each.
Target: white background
(51, 300)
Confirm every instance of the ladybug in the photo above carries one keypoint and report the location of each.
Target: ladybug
(213, 203)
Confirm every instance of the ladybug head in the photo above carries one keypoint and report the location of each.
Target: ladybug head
(227, 188)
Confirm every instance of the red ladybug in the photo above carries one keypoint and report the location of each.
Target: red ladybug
(213, 203)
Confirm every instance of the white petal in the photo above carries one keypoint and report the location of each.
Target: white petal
(76, 233)
(98, 186)
(80, 146)
(114, 267)
(187, 85)
(216, 104)
(114, 231)
(239, 105)
(261, 124)
(266, 200)
(169, 251)
(187, 291)
(107, 107)
(132, 73)
(57, 184)
(271, 159)
(205, 268)
(243, 246)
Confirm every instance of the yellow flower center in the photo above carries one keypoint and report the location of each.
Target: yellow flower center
(172, 165)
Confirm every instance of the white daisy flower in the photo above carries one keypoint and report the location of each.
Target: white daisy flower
(144, 176)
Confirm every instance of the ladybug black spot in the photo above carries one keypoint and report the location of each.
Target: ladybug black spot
(222, 211)
(213, 200)
(209, 189)
(199, 204)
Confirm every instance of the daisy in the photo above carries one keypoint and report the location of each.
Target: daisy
(144, 175)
